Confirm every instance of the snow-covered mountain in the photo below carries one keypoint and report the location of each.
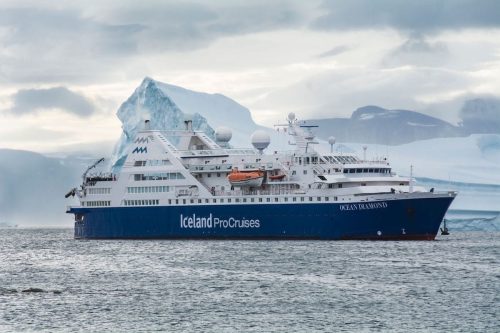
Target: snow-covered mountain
(391, 127)
(373, 124)
(32, 187)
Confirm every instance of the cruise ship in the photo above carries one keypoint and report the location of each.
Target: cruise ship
(182, 184)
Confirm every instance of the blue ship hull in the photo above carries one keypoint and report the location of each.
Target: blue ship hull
(417, 219)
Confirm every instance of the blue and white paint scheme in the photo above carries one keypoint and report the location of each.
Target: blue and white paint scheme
(174, 184)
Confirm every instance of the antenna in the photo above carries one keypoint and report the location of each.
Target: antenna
(331, 141)
(411, 178)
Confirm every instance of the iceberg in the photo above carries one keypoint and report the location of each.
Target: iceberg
(166, 107)
(149, 102)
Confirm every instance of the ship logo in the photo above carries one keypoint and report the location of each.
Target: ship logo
(141, 140)
(140, 150)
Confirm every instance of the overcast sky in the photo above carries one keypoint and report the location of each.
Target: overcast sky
(65, 67)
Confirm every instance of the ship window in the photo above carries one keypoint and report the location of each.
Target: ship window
(176, 201)
(276, 199)
(319, 198)
(363, 184)
(305, 172)
(229, 200)
(376, 170)
(221, 200)
(370, 170)
(310, 199)
(294, 199)
(286, 199)
(209, 175)
(327, 199)
(345, 170)
(268, 199)
(359, 170)
(340, 185)
(237, 200)
(222, 188)
(365, 170)
(334, 198)
(169, 201)
(218, 174)
(214, 200)
(294, 172)
(192, 201)
(206, 200)
(301, 198)
(260, 199)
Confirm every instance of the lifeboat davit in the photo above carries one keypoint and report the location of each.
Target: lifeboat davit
(248, 178)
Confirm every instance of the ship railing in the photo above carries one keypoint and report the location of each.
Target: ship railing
(236, 193)
(102, 177)
(215, 152)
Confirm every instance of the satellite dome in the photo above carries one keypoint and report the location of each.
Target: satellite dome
(291, 116)
(223, 134)
(260, 140)
(331, 140)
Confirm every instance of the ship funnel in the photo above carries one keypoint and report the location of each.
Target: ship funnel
(188, 121)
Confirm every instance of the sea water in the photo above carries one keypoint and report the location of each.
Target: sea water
(448, 285)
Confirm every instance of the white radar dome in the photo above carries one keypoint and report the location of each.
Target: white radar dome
(291, 116)
(260, 140)
(331, 140)
(223, 134)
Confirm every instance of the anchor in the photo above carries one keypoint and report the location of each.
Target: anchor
(444, 229)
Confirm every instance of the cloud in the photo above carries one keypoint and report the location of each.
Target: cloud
(418, 51)
(339, 92)
(411, 16)
(28, 101)
(335, 51)
(81, 43)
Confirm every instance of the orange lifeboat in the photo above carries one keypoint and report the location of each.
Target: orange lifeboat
(277, 177)
(249, 178)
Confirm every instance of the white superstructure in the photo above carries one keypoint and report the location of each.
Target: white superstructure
(187, 167)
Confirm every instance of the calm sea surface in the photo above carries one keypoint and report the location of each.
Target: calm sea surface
(449, 285)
